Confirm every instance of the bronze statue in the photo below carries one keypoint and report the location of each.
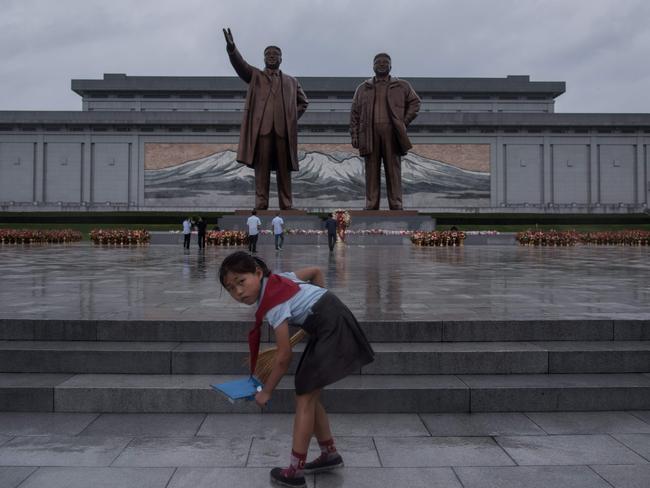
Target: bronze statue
(268, 140)
(382, 109)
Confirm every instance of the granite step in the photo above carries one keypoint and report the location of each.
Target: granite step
(390, 358)
(354, 394)
(376, 330)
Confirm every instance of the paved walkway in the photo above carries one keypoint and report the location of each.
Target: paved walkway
(534, 450)
(393, 282)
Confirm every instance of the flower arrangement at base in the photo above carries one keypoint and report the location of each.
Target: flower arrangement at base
(343, 221)
(120, 237)
(571, 238)
(28, 236)
(617, 238)
(225, 238)
(438, 238)
(550, 238)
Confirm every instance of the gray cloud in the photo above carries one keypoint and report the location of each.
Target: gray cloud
(599, 47)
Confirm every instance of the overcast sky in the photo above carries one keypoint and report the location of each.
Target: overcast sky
(599, 47)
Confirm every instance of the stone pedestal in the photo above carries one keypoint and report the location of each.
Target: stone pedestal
(391, 220)
(293, 219)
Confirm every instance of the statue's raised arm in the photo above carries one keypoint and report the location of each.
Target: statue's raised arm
(242, 68)
(230, 43)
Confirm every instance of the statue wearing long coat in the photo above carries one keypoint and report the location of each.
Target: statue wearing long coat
(294, 103)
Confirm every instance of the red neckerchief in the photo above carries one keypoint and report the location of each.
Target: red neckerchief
(278, 290)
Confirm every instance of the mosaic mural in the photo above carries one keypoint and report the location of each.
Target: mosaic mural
(331, 175)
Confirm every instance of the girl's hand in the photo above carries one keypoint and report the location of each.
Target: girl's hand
(262, 398)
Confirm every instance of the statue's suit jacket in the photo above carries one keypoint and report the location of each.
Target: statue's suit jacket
(403, 107)
(259, 90)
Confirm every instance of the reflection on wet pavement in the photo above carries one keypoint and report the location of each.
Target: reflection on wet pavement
(377, 282)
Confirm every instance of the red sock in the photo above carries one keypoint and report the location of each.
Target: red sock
(327, 449)
(295, 469)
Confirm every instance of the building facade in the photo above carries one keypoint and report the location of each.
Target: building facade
(169, 143)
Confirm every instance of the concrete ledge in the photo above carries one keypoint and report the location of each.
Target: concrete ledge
(376, 330)
(632, 330)
(528, 330)
(28, 392)
(563, 392)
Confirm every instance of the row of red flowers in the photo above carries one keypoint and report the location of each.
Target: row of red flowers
(438, 238)
(33, 236)
(571, 238)
(621, 237)
(121, 237)
(548, 238)
(225, 238)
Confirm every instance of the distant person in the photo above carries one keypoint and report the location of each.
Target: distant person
(187, 232)
(254, 224)
(278, 231)
(453, 228)
(201, 226)
(330, 225)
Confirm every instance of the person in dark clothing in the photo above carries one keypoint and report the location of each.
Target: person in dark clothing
(201, 226)
(330, 225)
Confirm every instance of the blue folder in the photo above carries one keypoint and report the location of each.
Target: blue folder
(241, 389)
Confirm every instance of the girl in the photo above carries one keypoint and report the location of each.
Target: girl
(337, 347)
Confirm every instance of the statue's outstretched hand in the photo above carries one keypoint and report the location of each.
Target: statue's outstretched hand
(230, 43)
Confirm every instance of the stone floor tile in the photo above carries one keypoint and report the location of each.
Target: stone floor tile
(61, 450)
(388, 477)
(568, 450)
(589, 422)
(625, 476)
(643, 415)
(11, 477)
(640, 443)
(224, 477)
(414, 452)
(376, 425)
(270, 452)
(44, 423)
(247, 425)
(99, 478)
(185, 451)
(530, 477)
(143, 424)
(480, 424)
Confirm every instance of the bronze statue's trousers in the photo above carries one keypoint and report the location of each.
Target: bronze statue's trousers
(271, 153)
(384, 147)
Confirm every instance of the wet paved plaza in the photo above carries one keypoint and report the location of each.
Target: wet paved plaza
(392, 282)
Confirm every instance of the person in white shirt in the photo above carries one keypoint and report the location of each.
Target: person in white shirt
(253, 223)
(187, 232)
(278, 231)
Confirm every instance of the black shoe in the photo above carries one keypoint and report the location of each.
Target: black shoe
(279, 479)
(318, 465)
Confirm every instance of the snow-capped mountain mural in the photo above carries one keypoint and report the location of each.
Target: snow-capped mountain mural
(325, 180)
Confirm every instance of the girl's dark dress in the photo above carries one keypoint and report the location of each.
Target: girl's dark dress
(337, 346)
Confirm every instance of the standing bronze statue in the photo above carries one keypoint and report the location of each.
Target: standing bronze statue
(268, 140)
(382, 109)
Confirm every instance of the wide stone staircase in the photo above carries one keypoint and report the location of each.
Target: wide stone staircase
(450, 366)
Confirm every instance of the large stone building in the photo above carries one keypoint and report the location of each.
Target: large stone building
(168, 143)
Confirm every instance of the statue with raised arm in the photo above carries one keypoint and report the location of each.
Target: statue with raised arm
(268, 140)
(382, 109)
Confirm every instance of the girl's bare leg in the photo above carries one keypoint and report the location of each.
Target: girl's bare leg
(304, 421)
(322, 429)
